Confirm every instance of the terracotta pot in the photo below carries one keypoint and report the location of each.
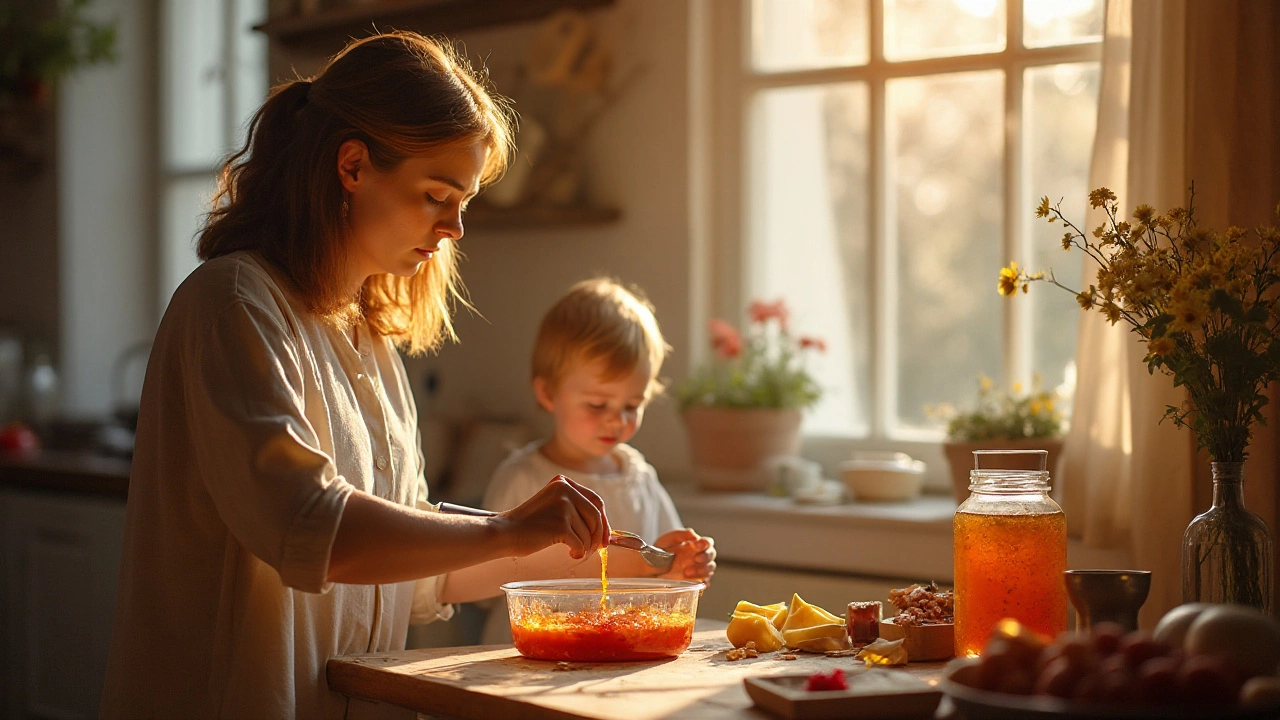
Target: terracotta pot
(960, 458)
(730, 445)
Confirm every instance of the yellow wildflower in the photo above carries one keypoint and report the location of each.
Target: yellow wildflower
(1009, 280)
(1144, 214)
(1042, 210)
(1017, 388)
(1066, 241)
(1188, 316)
(1160, 346)
(1112, 311)
(1097, 198)
(985, 383)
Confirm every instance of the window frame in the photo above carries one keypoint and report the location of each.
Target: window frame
(172, 263)
(728, 282)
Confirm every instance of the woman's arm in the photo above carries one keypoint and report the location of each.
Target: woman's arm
(381, 542)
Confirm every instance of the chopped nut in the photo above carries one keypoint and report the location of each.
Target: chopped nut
(923, 605)
(788, 656)
(562, 665)
(735, 654)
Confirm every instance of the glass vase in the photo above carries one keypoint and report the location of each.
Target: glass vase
(1226, 552)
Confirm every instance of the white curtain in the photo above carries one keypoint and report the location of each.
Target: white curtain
(1169, 67)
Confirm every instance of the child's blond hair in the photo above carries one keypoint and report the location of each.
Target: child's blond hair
(599, 319)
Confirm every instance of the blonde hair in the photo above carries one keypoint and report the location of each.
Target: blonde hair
(402, 95)
(599, 319)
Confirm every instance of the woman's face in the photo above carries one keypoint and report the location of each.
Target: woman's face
(398, 219)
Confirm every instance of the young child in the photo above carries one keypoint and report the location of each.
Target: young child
(595, 368)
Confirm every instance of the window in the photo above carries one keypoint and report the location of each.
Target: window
(213, 77)
(894, 154)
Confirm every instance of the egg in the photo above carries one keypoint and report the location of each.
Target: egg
(1172, 628)
(1245, 637)
(1261, 692)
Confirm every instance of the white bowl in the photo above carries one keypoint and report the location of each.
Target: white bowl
(883, 477)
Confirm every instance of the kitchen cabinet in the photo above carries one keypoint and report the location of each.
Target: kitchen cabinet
(324, 28)
(300, 41)
(61, 556)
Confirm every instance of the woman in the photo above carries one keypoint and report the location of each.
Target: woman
(277, 515)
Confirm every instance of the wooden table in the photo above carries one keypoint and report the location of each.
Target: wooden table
(494, 681)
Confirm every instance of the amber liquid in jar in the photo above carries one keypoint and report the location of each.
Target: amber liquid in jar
(1008, 566)
(1010, 550)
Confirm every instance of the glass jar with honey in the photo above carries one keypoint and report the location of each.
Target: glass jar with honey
(1010, 550)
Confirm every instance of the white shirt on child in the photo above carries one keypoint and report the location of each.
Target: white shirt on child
(633, 498)
(259, 420)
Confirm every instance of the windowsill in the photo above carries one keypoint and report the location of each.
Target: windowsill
(909, 540)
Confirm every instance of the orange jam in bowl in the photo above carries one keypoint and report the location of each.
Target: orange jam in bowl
(638, 619)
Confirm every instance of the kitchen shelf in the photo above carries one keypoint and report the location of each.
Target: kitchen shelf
(327, 30)
(535, 217)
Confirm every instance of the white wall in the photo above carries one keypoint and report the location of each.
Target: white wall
(106, 211)
(639, 162)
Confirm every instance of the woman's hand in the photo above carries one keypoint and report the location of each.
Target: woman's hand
(695, 555)
(562, 512)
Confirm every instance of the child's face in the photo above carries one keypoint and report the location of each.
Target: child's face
(592, 415)
(399, 218)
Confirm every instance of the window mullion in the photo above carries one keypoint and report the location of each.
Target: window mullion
(883, 281)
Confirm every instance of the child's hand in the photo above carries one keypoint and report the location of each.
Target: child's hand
(695, 554)
(562, 512)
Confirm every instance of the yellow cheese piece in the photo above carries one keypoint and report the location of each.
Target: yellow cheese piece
(769, 611)
(831, 634)
(801, 615)
(884, 652)
(751, 627)
(781, 618)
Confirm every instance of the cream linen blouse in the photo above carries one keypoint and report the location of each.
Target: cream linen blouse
(258, 421)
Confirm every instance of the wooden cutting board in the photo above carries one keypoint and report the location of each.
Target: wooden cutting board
(494, 681)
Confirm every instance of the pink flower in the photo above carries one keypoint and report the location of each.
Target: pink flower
(725, 339)
(813, 342)
(761, 312)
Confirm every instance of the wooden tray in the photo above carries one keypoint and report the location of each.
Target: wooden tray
(922, 642)
(873, 694)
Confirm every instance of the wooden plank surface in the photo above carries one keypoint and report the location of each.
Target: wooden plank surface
(494, 681)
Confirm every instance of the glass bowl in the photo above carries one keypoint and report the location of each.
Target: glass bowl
(639, 618)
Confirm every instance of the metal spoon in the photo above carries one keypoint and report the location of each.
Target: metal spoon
(658, 559)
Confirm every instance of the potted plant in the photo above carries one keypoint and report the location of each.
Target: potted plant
(39, 43)
(1002, 420)
(745, 405)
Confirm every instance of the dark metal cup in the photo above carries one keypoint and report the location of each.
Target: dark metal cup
(1108, 596)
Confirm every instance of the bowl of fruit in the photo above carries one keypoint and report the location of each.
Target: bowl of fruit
(1201, 661)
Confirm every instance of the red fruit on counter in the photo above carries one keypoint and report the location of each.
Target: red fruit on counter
(1208, 680)
(19, 437)
(1106, 637)
(1059, 678)
(1139, 647)
(1158, 681)
(833, 680)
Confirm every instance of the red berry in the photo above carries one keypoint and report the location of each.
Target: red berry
(834, 680)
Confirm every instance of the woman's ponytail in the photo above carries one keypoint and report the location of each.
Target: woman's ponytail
(272, 131)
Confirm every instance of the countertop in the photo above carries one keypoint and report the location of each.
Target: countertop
(65, 472)
(494, 681)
